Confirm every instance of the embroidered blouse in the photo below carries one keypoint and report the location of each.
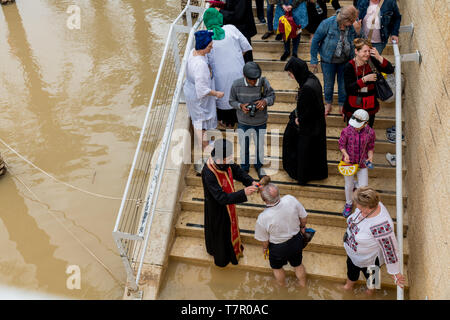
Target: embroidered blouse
(371, 238)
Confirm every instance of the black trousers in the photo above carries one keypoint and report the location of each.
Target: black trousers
(248, 56)
(336, 5)
(260, 9)
(354, 271)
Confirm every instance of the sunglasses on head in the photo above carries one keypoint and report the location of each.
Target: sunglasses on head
(358, 120)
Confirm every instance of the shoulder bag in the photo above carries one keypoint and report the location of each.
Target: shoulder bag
(382, 88)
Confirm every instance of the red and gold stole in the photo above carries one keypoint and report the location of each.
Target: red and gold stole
(225, 180)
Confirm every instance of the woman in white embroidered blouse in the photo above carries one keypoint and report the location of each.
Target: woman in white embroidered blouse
(370, 239)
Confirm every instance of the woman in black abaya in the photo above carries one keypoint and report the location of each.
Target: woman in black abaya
(304, 140)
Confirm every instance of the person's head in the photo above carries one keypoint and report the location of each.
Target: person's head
(347, 16)
(297, 69)
(362, 49)
(252, 72)
(366, 199)
(359, 119)
(213, 20)
(203, 41)
(222, 153)
(270, 194)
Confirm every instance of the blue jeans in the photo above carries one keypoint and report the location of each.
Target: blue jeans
(379, 46)
(295, 44)
(258, 133)
(270, 12)
(330, 70)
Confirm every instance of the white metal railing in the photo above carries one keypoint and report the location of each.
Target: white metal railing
(398, 142)
(133, 223)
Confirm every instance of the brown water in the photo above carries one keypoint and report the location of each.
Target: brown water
(205, 282)
(72, 102)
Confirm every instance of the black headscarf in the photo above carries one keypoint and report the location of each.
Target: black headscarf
(300, 70)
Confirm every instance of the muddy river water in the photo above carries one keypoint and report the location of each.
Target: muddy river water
(72, 102)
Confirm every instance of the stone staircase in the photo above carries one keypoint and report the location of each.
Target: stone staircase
(325, 256)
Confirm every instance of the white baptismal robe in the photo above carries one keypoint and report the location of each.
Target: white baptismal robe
(198, 84)
(227, 61)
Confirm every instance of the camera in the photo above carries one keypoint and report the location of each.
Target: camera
(252, 109)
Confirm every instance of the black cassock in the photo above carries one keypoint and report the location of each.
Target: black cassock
(305, 146)
(217, 220)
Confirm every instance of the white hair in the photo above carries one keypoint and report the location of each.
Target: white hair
(270, 193)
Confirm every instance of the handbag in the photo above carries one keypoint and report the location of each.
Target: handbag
(309, 234)
(347, 169)
(382, 88)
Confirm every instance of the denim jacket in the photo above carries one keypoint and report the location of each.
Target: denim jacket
(326, 38)
(299, 12)
(390, 17)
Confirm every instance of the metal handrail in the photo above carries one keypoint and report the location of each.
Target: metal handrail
(149, 109)
(165, 142)
(398, 141)
(398, 158)
(143, 231)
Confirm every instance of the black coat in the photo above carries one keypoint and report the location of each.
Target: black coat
(217, 220)
(305, 145)
(314, 17)
(240, 14)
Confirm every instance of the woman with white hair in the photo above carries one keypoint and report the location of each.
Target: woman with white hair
(334, 41)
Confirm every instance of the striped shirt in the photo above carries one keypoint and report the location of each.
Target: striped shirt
(357, 143)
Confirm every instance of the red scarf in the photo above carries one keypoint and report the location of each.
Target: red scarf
(225, 180)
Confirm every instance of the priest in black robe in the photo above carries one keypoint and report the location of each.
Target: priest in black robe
(304, 140)
(222, 236)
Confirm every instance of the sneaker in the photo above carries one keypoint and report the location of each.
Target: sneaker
(347, 210)
(284, 56)
(391, 158)
(391, 129)
(391, 137)
(267, 34)
(279, 37)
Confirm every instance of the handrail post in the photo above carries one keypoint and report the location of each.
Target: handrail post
(398, 155)
(398, 142)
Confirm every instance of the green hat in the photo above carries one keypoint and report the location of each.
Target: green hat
(213, 20)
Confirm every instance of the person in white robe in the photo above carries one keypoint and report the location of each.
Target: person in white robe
(227, 61)
(200, 93)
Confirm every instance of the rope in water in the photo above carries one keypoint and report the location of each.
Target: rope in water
(62, 182)
(65, 227)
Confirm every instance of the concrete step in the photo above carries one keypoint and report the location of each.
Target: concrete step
(275, 135)
(326, 212)
(280, 111)
(318, 265)
(330, 11)
(328, 239)
(272, 45)
(270, 61)
(280, 80)
(329, 188)
(273, 155)
(273, 161)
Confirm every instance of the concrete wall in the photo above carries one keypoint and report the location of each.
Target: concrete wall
(427, 110)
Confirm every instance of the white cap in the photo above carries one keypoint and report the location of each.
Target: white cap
(358, 118)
